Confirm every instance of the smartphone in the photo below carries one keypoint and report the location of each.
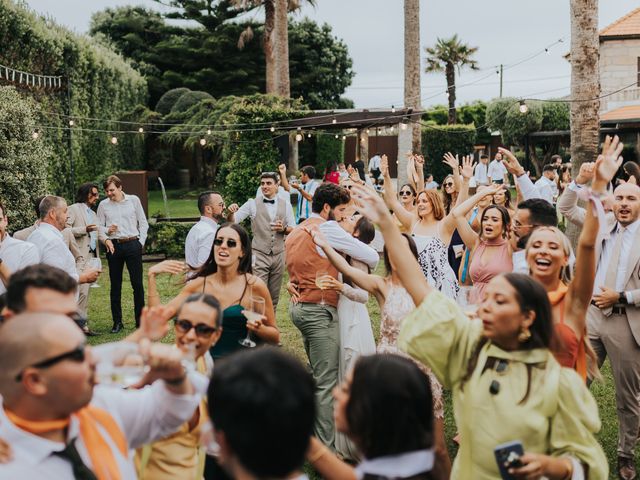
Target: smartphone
(508, 456)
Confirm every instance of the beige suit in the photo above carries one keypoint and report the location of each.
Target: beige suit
(77, 224)
(617, 334)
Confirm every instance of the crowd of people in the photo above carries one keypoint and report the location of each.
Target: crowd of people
(481, 294)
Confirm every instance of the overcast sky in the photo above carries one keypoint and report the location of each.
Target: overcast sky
(505, 31)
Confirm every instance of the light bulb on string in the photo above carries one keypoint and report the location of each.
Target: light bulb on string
(208, 131)
(35, 135)
(203, 141)
(334, 121)
(344, 137)
(403, 126)
(337, 136)
(523, 107)
(114, 140)
(140, 130)
(273, 129)
(308, 135)
(298, 137)
(547, 51)
(393, 109)
(71, 123)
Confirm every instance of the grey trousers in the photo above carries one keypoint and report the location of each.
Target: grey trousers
(270, 268)
(612, 336)
(321, 337)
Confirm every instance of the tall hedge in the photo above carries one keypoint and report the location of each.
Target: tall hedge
(103, 85)
(23, 159)
(436, 141)
(329, 149)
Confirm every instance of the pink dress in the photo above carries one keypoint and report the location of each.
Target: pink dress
(481, 274)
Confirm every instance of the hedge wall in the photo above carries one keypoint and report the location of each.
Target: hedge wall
(103, 85)
(329, 150)
(436, 141)
(167, 238)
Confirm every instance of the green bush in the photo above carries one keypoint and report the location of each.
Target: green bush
(103, 86)
(188, 100)
(329, 150)
(436, 141)
(169, 99)
(167, 238)
(23, 160)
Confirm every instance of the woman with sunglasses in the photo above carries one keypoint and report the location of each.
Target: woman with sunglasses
(197, 329)
(226, 275)
(430, 228)
(505, 382)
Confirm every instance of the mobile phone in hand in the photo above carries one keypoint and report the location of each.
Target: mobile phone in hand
(508, 456)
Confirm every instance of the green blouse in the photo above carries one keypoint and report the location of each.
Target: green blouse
(559, 417)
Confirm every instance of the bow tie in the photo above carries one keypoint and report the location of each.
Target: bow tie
(272, 202)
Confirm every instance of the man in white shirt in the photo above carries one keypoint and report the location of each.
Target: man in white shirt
(497, 173)
(122, 227)
(481, 171)
(374, 166)
(271, 219)
(546, 184)
(47, 238)
(272, 439)
(14, 254)
(306, 188)
(429, 182)
(197, 246)
(59, 425)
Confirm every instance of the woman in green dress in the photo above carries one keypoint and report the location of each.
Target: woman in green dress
(505, 382)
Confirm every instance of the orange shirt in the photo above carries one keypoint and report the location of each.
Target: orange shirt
(572, 352)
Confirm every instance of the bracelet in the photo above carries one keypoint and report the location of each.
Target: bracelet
(319, 454)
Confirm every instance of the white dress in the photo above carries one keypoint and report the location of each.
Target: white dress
(356, 338)
(432, 257)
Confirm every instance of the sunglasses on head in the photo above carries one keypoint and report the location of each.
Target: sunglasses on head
(202, 330)
(231, 243)
(76, 355)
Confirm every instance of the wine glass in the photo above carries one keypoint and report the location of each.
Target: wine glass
(465, 301)
(320, 284)
(254, 315)
(96, 264)
(119, 363)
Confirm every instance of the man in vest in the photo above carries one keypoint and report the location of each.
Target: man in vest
(316, 319)
(271, 219)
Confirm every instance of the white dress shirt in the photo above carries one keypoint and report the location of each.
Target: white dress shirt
(344, 243)
(623, 265)
(402, 465)
(128, 215)
(248, 209)
(16, 255)
(545, 189)
(480, 174)
(374, 163)
(519, 260)
(197, 246)
(143, 416)
(282, 193)
(52, 249)
(496, 170)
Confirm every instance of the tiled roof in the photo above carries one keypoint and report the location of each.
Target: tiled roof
(628, 112)
(624, 26)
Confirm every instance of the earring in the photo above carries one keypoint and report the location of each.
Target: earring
(524, 335)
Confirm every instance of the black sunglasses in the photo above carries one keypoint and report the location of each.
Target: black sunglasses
(406, 193)
(76, 355)
(230, 242)
(448, 184)
(202, 330)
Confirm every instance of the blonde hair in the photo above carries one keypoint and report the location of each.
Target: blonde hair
(566, 272)
(436, 203)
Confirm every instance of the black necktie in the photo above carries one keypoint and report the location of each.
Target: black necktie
(80, 470)
(268, 201)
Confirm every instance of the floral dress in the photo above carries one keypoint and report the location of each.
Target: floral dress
(433, 259)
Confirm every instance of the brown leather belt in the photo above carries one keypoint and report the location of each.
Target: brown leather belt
(124, 240)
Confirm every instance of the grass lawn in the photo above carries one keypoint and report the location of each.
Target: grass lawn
(100, 321)
(182, 203)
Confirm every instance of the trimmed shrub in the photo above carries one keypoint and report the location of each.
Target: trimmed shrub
(167, 238)
(329, 150)
(188, 100)
(436, 141)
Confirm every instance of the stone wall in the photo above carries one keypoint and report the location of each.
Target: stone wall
(619, 68)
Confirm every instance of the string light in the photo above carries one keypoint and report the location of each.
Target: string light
(298, 137)
(203, 141)
(547, 51)
(35, 134)
(208, 131)
(308, 135)
(403, 126)
(114, 140)
(337, 136)
(344, 137)
(334, 121)
(523, 107)
(273, 129)
(393, 109)
(71, 123)
(141, 130)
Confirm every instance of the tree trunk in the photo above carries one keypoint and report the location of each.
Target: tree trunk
(585, 84)
(281, 31)
(451, 93)
(412, 66)
(268, 46)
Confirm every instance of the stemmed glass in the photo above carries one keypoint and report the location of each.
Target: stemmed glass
(254, 315)
(96, 264)
(320, 284)
(119, 363)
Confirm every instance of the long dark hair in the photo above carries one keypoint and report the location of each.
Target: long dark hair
(390, 408)
(531, 297)
(632, 169)
(504, 213)
(244, 266)
(365, 230)
(385, 254)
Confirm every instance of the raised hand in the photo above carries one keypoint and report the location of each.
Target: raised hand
(173, 267)
(585, 175)
(370, 204)
(233, 208)
(452, 161)
(492, 190)
(154, 322)
(419, 159)
(467, 166)
(510, 162)
(318, 238)
(384, 165)
(608, 161)
(282, 168)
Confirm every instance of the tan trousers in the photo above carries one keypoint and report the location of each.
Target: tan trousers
(270, 268)
(612, 336)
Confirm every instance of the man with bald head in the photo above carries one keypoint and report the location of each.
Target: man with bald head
(59, 424)
(613, 318)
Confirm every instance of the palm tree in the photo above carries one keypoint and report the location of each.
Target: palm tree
(281, 33)
(446, 56)
(412, 64)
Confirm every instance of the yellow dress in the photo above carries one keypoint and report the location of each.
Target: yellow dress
(559, 417)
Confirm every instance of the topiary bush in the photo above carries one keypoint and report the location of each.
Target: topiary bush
(329, 150)
(436, 141)
(167, 238)
(169, 99)
(23, 159)
(188, 100)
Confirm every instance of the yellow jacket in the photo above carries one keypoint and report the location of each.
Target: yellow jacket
(558, 418)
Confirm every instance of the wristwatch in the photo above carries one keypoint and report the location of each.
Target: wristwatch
(622, 298)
